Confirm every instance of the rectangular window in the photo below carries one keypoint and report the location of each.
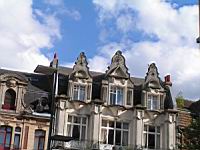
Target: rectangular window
(151, 137)
(79, 92)
(129, 97)
(153, 102)
(116, 95)
(114, 132)
(77, 127)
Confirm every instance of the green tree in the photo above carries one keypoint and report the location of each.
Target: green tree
(192, 135)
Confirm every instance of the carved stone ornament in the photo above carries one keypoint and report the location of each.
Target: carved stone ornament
(118, 66)
(11, 83)
(80, 69)
(152, 79)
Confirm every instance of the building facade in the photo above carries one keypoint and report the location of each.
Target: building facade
(113, 110)
(24, 111)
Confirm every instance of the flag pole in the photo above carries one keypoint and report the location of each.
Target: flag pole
(198, 39)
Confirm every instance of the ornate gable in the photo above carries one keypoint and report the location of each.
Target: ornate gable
(80, 69)
(152, 79)
(118, 67)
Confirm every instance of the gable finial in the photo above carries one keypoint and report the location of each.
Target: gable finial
(118, 62)
(80, 69)
(54, 62)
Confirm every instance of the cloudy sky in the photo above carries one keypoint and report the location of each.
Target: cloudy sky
(161, 31)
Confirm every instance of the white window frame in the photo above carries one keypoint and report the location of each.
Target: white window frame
(116, 94)
(156, 134)
(81, 124)
(157, 100)
(131, 97)
(122, 130)
(79, 85)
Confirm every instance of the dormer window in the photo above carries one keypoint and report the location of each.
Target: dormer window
(79, 92)
(153, 102)
(9, 100)
(116, 95)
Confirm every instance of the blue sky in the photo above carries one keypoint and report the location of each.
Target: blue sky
(161, 31)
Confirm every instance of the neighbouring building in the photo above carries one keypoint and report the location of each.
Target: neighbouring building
(112, 110)
(24, 110)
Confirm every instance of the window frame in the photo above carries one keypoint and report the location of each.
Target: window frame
(81, 124)
(117, 87)
(40, 139)
(17, 134)
(79, 85)
(108, 128)
(5, 130)
(152, 100)
(156, 135)
(9, 99)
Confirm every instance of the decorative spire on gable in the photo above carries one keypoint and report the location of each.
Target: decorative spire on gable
(152, 77)
(118, 67)
(54, 62)
(80, 69)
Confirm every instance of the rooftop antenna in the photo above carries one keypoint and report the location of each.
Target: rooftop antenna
(198, 39)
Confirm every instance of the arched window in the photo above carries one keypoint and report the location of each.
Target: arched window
(9, 100)
(5, 137)
(39, 140)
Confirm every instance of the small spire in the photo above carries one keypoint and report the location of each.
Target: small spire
(55, 56)
(54, 62)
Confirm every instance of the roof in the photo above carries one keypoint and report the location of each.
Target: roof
(38, 85)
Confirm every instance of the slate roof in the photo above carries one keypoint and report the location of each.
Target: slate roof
(38, 85)
(64, 73)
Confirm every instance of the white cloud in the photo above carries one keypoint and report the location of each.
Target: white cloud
(174, 51)
(22, 35)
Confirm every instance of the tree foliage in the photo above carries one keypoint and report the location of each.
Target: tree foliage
(192, 135)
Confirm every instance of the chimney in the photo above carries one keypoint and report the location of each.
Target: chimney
(168, 80)
(54, 62)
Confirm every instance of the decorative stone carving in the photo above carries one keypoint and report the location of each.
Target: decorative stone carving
(11, 83)
(118, 67)
(152, 79)
(80, 69)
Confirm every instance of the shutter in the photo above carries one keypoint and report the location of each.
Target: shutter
(104, 93)
(26, 137)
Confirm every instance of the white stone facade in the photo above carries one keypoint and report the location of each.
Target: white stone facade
(124, 115)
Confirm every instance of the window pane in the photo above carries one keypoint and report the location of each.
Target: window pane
(119, 96)
(158, 142)
(16, 140)
(82, 93)
(83, 133)
(8, 140)
(103, 136)
(151, 141)
(110, 136)
(17, 129)
(76, 132)
(104, 123)
(75, 97)
(155, 104)
(118, 125)
(111, 124)
(125, 125)
(118, 137)
(151, 129)
(41, 143)
(2, 136)
(158, 129)
(129, 97)
(83, 120)
(125, 138)
(145, 140)
(69, 129)
(76, 119)
(149, 103)
(69, 118)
